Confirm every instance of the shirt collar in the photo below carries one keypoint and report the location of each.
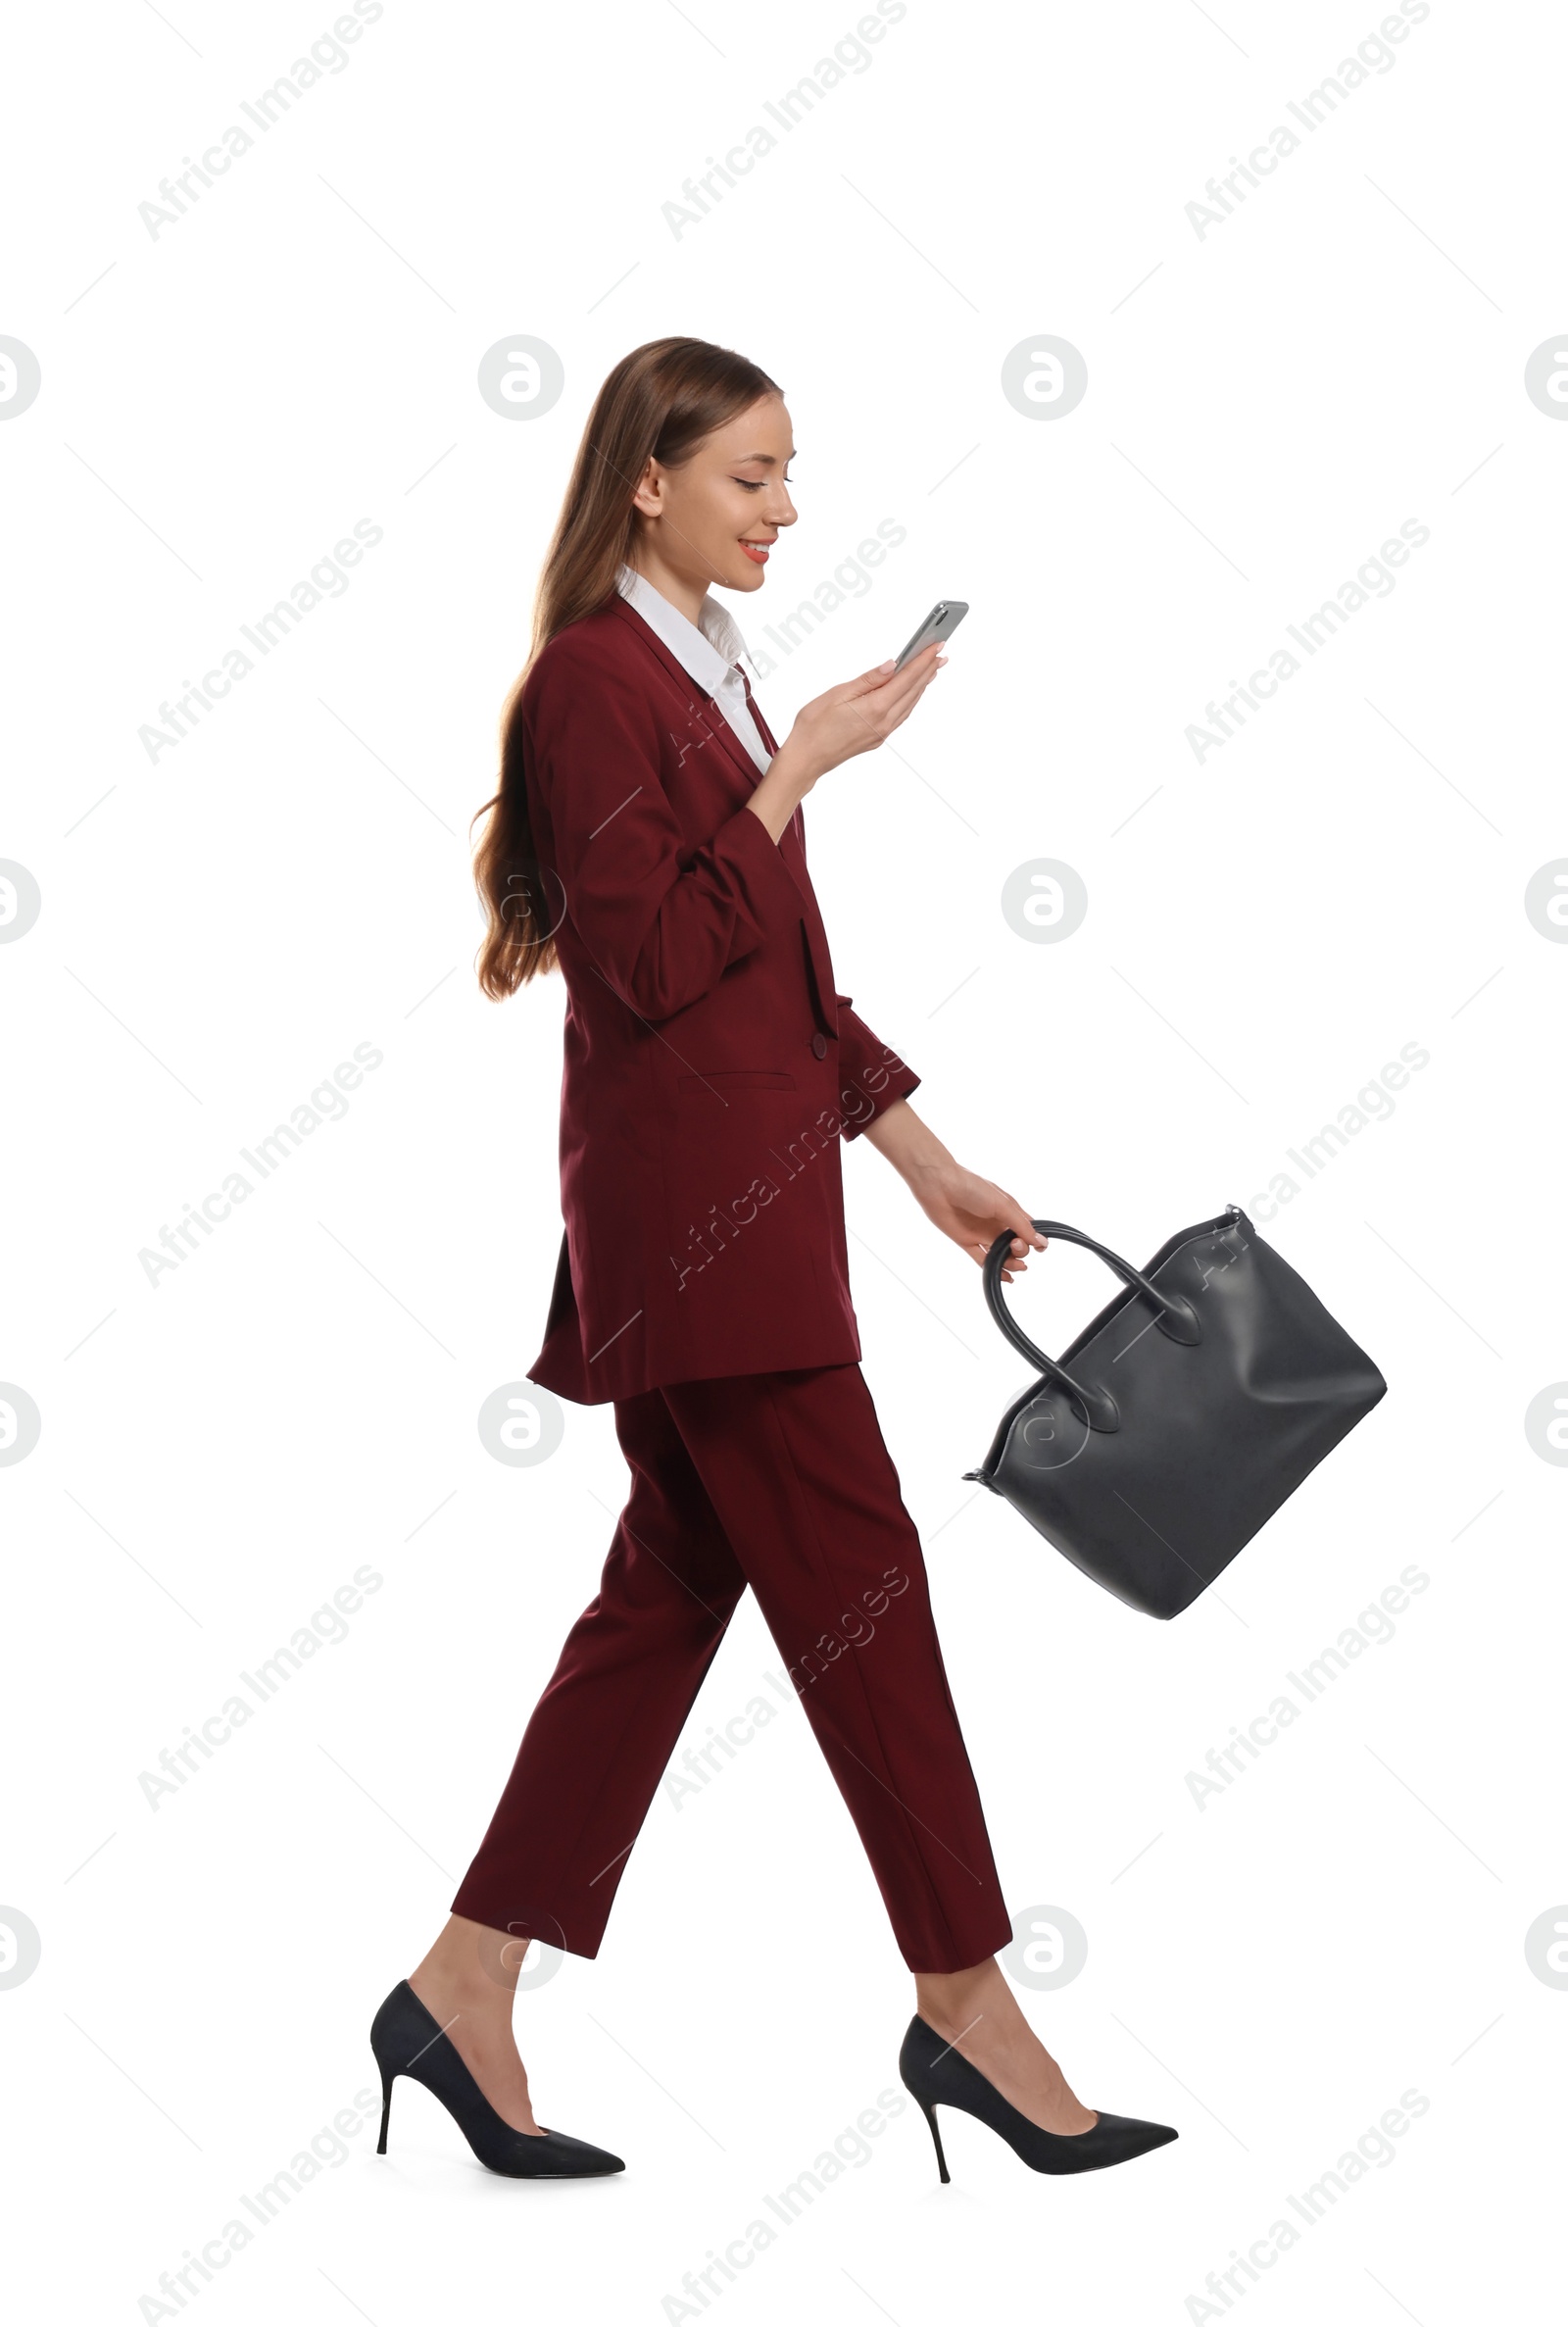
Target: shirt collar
(708, 654)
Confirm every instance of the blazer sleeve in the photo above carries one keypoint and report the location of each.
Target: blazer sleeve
(872, 1076)
(662, 920)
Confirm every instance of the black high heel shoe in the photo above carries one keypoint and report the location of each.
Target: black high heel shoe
(408, 2040)
(934, 2071)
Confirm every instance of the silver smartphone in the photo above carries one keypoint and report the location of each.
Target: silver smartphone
(939, 624)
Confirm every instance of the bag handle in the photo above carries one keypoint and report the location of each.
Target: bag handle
(1175, 1318)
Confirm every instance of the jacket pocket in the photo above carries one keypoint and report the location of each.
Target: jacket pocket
(736, 1078)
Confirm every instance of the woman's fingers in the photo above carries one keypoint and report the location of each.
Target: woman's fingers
(1026, 1238)
(886, 674)
(861, 712)
(900, 695)
(916, 675)
(897, 690)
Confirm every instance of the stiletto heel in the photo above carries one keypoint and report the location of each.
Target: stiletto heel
(409, 2041)
(931, 2119)
(934, 2071)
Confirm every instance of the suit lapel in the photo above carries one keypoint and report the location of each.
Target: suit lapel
(703, 718)
(763, 727)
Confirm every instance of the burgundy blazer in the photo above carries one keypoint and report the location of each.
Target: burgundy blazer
(711, 1069)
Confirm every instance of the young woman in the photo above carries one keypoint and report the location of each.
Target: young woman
(646, 840)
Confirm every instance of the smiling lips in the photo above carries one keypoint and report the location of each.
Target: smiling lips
(757, 551)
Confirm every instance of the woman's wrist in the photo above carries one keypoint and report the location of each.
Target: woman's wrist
(910, 1145)
(790, 776)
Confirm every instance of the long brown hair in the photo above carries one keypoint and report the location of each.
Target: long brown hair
(658, 403)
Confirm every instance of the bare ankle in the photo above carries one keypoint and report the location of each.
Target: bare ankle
(951, 2000)
(472, 1962)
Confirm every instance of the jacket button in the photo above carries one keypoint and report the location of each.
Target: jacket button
(819, 1045)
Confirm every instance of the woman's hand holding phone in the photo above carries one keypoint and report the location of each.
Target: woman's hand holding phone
(847, 720)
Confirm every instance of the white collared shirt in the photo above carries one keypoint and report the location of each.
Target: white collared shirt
(708, 655)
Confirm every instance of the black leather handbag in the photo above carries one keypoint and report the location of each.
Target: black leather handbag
(1158, 1444)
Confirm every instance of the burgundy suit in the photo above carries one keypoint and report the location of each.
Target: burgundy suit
(711, 1072)
(710, 1068)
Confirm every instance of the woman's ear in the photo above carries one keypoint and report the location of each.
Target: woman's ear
(649, 497)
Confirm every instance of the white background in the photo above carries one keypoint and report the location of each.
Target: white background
(1266, 403)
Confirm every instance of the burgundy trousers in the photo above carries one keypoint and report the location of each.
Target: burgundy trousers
(781, 1481)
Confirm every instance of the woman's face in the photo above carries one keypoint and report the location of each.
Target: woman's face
(711, 519)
